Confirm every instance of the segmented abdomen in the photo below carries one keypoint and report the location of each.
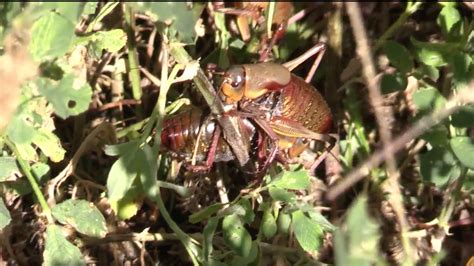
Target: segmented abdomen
(180, 134)
(301, 102)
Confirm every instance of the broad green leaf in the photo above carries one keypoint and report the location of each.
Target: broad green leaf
(359, 243)
(89, 8)
(121, 148)
(236, 236)
(112, 41)
(122, 175)
(269, 225)
(428, 99)
(8, 167)
(399, 56)
(321, 220)
(82, 215)
(205, 213)
(5, 217)
(307, 232)
(148, 169)
(431, 57)
(429, 71)
(251, 259)
(51, 36)
(182, 18)
(461, 68)
(69, 96)
(463, 148)
(393, 82)
(438, 166)
(284, 222)
(448, 16)
(279, 194)
(59, 251)
(128, 205)
(208, 235)
(464, 117)
(249, 215)
(69, 10)
(292, 180)
(437, 136)
(49, 144)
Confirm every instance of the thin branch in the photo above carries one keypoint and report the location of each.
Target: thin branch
(376, 101)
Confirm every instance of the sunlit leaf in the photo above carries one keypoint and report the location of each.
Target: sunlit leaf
(8, 167)
(82, 215)
(50, 36)
(269, 225)
(236, 236)
(292, 180)
(307, 232)
(59, 251)
(448, 16)
(69, 96)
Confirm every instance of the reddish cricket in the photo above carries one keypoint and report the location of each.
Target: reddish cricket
(286, 112)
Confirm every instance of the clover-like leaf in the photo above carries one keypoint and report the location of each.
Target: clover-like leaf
(438, 166)
(236, 236)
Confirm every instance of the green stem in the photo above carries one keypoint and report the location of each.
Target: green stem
(25, 167)
(133, 68)
(411, 8)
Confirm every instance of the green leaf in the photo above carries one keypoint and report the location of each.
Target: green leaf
(51, 36)
(208, 234)
(393, 82)
(112, 41)
(431, 57)
(438, 166)
(437, 135)
(122, 174)
(269, 225)
(59, 251)
(308, 232)
(82, 215)
(399, 56)
(359, 244)
(428, 71)
(428, 99)
(464, 117)
(205, 213)
(69, 96)
(236, 236)
(5, 217)
(461, 68)
(448, 16)
(49, 144)
(182, 18)
(321, 220)
(249, 215)
(279, 194)
(463, 148)
(148, 169)
(292, 180)
(8, 167)
(284, 222)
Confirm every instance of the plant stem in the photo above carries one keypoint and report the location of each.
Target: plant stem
(25, 167)
(411, 8)
(133, 68)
